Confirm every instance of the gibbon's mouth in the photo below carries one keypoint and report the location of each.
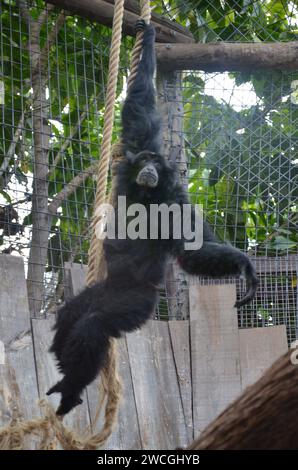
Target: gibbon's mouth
(147, 180)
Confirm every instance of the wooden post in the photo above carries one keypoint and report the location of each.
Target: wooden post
(102, 12)
(169, 90)
(222, 56)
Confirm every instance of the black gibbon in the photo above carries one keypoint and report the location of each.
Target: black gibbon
(127, 298)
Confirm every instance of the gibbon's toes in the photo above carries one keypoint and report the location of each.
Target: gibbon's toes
(252, 285)
(140, 25)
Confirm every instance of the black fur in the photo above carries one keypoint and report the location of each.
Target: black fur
(135, 268)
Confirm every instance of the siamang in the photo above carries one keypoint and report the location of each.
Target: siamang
(127, 297)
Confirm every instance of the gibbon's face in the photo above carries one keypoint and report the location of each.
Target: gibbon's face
(147, 168)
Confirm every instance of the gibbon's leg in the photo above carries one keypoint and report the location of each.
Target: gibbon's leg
(112, 312)
(81, 359)
(69, 314)
(217, 260)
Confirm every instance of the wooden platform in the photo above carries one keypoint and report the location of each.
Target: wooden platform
(177, 375)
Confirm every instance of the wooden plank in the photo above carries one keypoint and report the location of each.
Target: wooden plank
(259, 348)
(159, 406)
(126, 434)
(215, 354)
(179, 332)
(18, 384)
(48, 375)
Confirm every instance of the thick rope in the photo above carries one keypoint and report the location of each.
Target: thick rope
(109, 375)
(51, 429)
(103, 169)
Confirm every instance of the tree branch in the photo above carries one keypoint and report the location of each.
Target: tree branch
(67, 141)
(102, 12)
(70, 188)
(11, 151)
(52, 38)
(44, 16)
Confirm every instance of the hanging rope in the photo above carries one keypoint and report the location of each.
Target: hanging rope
(109, 375)
(103, 170)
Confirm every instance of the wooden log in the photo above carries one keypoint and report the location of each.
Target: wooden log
(265, 416)
(231, 57)
(102, 12)
(169, 90)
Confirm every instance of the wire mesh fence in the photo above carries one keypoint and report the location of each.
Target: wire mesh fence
(240, 147)
(53, 76)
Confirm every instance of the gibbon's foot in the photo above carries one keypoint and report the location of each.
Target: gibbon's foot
(140, 25)
(68, 402)
(55, 389)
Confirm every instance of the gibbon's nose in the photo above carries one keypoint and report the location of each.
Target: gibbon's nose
(151, 170)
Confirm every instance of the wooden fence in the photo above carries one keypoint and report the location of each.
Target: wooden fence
(177, 375)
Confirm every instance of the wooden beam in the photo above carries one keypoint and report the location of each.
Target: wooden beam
(221, 57)
(102, 12)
